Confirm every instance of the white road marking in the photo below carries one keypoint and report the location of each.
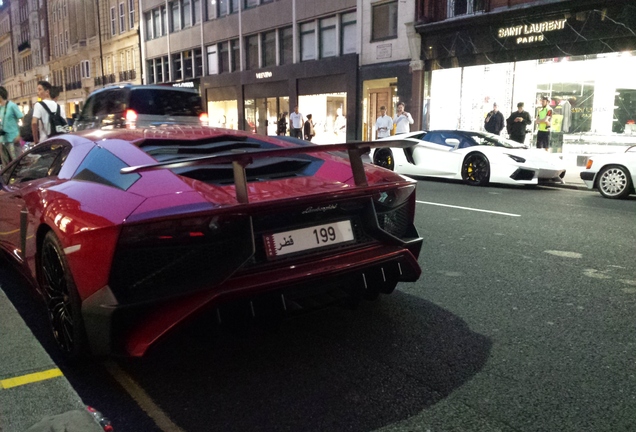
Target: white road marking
(564, 254)
(140, 396)
(468, 208)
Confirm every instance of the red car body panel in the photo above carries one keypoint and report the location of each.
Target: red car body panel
(87, 215)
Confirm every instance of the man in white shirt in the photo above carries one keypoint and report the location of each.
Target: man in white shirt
(383, 125)
(297, 122)
(402, 120)
(40, 121)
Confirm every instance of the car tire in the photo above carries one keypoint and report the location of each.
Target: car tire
(476, 170)
(63, 303)
(384, 157)
(614, 182)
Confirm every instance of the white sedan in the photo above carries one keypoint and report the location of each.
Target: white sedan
(477, 158)
(614, 174)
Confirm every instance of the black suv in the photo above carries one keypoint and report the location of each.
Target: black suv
(140, 106)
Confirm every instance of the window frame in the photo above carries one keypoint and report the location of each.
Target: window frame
(389, 35)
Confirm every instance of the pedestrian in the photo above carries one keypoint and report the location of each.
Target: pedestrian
(40, 122)
(340, 124)
(9, 129)
(543, 121)
(402, 119)
(55, 93)
(296, 123)
(383, 125)
(281, 128)
(516, 124)
(309, 128)
(494, 122)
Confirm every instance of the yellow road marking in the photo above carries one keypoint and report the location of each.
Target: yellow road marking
(30, 378)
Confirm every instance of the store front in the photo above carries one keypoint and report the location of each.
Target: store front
(582, 60)
(257, 100)
(384, 85)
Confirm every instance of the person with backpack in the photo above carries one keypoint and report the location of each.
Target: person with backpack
(9, 116)
(47, 118)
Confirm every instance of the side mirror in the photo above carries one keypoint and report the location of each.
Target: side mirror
(452, 142)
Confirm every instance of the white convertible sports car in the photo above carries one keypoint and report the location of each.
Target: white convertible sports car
(614, 174)
(477, 158)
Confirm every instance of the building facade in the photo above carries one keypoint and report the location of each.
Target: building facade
(579, 54)
(391, 69)
(255, 60)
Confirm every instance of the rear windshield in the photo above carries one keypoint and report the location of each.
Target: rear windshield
(165, 102)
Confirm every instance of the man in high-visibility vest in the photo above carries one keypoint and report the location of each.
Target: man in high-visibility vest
(544, 117)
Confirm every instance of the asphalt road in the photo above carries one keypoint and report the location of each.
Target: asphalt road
(523, 320)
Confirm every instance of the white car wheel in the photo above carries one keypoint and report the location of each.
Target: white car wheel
(614, 182)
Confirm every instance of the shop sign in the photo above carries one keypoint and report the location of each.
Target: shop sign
(262, 75)
(528, 33)
(186, 84)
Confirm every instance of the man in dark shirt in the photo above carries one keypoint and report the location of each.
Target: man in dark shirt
(494, 121)
(516, 124)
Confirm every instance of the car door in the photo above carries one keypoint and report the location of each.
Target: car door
(436, 154)
(20, 200)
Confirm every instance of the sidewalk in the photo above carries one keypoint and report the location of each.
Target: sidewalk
(34, 394)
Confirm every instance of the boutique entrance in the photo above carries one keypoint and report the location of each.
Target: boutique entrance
(262, 114)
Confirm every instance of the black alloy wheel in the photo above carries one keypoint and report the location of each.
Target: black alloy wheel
(384, 157)
(476, 170)
(62, 300)
(614, 182)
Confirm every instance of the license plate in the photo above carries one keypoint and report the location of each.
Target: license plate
(303, 239)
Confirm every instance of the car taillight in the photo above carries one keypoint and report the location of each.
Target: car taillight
(171, 231)
(589, 163)
(131, 115)
(203, 118)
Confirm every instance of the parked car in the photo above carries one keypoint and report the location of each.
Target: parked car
(128, 233)
(613, 174)
(477, 158)
(140, 106)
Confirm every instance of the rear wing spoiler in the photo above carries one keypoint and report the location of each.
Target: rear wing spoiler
(242, 158)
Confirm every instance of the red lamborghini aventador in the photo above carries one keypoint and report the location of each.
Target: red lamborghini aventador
(128, 233)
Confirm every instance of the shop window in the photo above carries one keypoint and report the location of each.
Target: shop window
(328, 40)
(235, 48)
(348, 35)
(210, 9)
(624, 120)
(198, 62)
(187, 65)
(308, 41)
(213, 60)
(224, 57)
(223, 114)
(227, 7)
(251, 3)
(463, 7)
(177, 67)
(384, 25)
(268, 46)
(286, 38)
(251, 52)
